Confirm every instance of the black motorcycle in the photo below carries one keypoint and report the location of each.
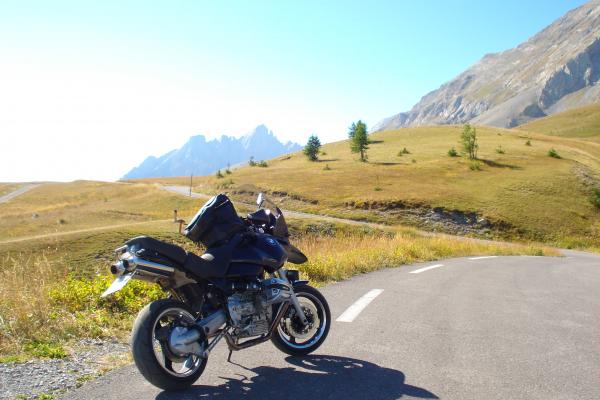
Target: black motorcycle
(238, 290)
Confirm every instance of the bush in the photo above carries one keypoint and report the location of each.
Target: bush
(468, 140)
(528, 142)
(500, 150)
(218, 174)
(327, 168)
(263, 164)
(452, 152)
(475, 165)
(403, 151)
(553, 153)
(251, 162)
(595, 197)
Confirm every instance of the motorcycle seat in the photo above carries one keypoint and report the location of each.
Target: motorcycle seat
(214, 263)
(170, 251)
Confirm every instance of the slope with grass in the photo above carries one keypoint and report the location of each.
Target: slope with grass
(50, 288)
(515, 185)
(50, 284)
(583, 122)
(64, 207)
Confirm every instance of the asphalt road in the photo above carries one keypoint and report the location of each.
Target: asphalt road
(23, 189)
(486, 328)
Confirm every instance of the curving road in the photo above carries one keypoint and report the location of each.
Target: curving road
(467, 328)
(15, 193)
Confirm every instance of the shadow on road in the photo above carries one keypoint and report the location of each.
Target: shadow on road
(318, 376)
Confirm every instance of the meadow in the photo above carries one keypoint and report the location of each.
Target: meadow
(514, 184)
(50, 289)
(583, 122)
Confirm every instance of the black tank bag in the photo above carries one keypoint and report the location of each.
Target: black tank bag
(215, 223)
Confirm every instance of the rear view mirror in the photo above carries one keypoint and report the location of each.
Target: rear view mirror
(260, 199)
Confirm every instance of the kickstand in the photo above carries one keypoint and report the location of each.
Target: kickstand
(229, 356)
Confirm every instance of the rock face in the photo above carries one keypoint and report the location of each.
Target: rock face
(555, 70)
(201, 157)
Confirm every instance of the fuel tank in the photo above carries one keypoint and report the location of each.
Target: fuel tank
(263, 250)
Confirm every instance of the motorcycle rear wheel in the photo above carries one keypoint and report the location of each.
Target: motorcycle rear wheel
(151, 354)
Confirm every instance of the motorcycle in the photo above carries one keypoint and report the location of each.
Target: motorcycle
(239, 290)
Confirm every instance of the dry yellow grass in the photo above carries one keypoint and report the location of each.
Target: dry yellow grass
(49, 295)
(523, 190)
(583, 122)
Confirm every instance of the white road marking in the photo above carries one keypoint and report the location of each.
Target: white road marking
(418, 271)
(352, 312)
(482, 258)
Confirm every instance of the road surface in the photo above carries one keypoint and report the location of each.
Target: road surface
(468, 328)
(22, 190)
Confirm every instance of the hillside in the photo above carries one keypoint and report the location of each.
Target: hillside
(200, 156)
(583, 122)
(520, 193)
(555, 70)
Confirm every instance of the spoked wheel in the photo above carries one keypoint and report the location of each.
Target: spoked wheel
(151, 352)
(297, 339)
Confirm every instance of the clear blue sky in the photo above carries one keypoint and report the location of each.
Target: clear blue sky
(80, 79)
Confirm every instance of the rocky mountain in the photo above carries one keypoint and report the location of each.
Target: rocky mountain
(201, 157)
(555, 70)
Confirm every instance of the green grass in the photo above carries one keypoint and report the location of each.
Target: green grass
(525, 193)
(583, 122)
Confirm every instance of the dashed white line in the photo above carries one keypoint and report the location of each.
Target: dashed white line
(418, 271)
(352, 312)
(482, 258)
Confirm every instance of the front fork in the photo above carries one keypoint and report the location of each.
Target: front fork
(294, 298)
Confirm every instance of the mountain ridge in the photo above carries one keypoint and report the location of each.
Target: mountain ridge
(199, 156)
(555, 70)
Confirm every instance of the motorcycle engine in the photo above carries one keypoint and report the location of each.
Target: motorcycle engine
(249, 313)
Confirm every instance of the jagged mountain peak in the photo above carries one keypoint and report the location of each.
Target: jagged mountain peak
(200, 156)
(554, 70)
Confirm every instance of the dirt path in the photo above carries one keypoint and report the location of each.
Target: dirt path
(86, 230)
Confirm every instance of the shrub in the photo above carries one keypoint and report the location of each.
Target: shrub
(327, 168)
(528, 142)
(500, 150)
(468, 140)
(475, 165)
(218, 174)
(226, 184)
(403, 151)
(251, 162)
(263, 164)
(595, 197)
(414, 161)
(553, 153)
(378, 189)
(452, 152)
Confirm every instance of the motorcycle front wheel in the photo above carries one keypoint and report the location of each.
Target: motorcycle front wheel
(295, 338)
(150, 350)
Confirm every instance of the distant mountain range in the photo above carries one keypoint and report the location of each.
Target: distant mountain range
(555, 70)
(201, 157)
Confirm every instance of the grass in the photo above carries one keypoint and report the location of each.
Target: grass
(6, 188)
(583, 122)
(64, 207)
(50, 288)
(523, 192)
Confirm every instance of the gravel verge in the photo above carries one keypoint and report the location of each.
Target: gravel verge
(40, 378)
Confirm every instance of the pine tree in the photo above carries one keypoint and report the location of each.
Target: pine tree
(311, 150)
(359, 139)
